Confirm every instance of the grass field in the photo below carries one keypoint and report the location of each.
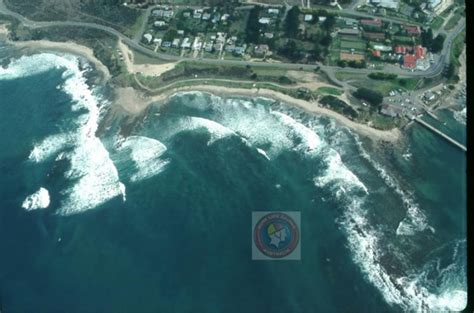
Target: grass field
(357, 45)
(330, 91)
(437, 23)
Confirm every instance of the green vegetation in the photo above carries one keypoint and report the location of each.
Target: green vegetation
(330, 91)
(437, 23)
(382, 76)
(339, 106)
(453, 21)
(373, 97)
(292, 22)
(107, 12)
(252, 33)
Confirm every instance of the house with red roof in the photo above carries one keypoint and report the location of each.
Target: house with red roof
(376, 53)
(400, 50)
(376, 23)
(419, 52)
(409, 61)
(412, 30)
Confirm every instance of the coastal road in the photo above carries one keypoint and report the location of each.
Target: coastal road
(433, 71)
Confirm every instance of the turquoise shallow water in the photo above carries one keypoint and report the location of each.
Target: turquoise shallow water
(161, 220)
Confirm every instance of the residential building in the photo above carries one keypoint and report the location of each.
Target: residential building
(374, 23)
(148, 37)
(344, 56)
(264, 20)
(388, 4)
(412, 30)
(374, 35)
(308, 17)
(261, 50)
(349, 32)
(273, 11)
(409, 61)
(391, 110)
(175, 43)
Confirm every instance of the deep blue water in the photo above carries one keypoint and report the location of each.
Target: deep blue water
(160, 221)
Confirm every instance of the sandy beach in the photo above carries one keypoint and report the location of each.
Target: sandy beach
(52, 46)
(134, 103)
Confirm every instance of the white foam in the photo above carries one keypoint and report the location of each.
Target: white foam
(146, 154)
(415, 220)
(95, 176)
(461, 116)
(48, 147)
(338, 174)
(38, 200)
(262, 152)
(192, 123)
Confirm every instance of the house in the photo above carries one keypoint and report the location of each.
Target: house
(187, 14)
(349, 32)
(376, 53)
(166, 44)
(321, 19)
(159, 23)
(218, 46)
(374, 35)
(208, 46)
(419, 52)
(206, 16)
(197, 44)
(400, 50)
(375, 23)
(148, 37)
(157, 41)
(347, 22)
(225, 17)
(261, 50)
(409, 61)
(383, 48)
(180, 32)
(308, 17)
(273, 11)
(175, 43)
(412, 30)
(268, 35)
(429, 96)
(240, 50)
(168, 14)
(388, 4)
(197, 16)
(157, 13)
(264, 20)
(391, 110)
(230, 48)
(186, 44)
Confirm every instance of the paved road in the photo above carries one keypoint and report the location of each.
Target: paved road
(435, 70)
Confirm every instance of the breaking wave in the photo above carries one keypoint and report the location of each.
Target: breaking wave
(146, 155)
(38, 200)
(92, 172)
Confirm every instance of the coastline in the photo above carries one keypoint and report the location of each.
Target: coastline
(131, 101)
(69, 47)
(134, 103)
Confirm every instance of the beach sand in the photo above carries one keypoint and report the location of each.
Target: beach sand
(154, 70)
(134, 103)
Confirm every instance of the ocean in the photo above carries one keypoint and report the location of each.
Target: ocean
(158, 218)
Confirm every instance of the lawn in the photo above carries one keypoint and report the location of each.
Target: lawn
(330, 91)
(437, 23)
(357, 45)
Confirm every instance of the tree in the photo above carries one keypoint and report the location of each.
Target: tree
(252, 32)
(329, 23)
(437, 44)
(373, 97)
(292, 22)
(427, 37)
(292, 50)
